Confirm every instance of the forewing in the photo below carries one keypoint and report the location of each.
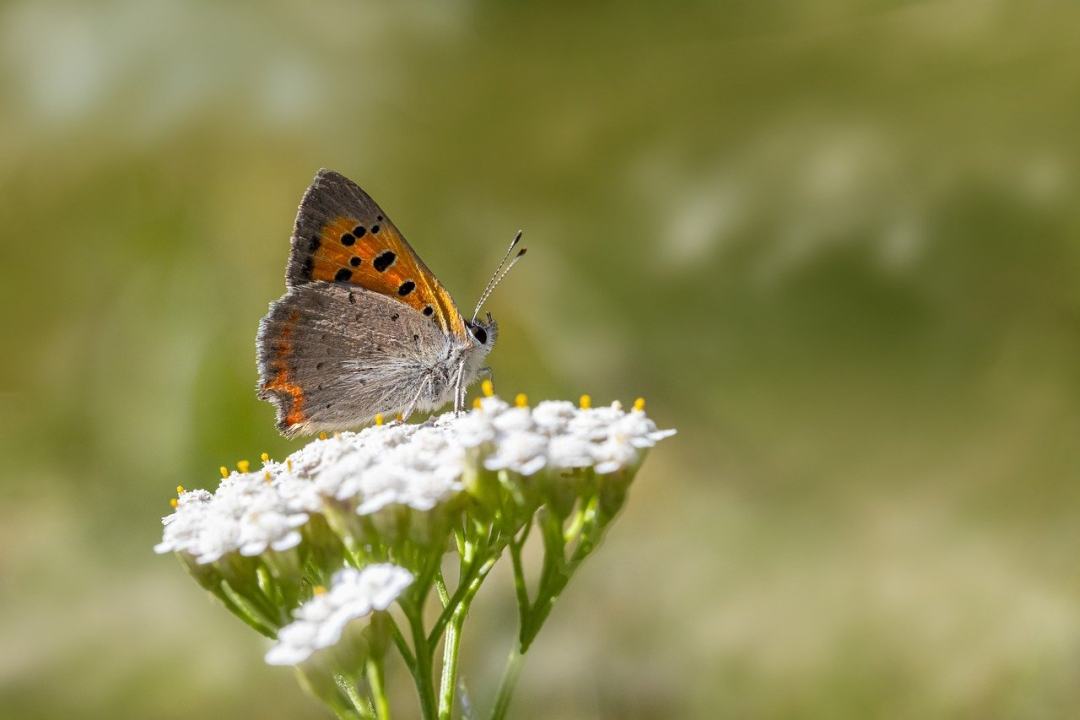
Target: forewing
(332, 355)
(342, 236)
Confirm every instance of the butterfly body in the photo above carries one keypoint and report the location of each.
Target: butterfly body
(364, 327)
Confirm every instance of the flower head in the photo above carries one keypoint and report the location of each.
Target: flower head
(249, 513)
(414, 466)
(320, 622)
(400, 475)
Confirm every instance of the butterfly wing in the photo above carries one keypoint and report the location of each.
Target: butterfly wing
(332, 355)
(342, 236)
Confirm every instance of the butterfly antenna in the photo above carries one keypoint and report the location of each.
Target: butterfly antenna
(508, 261)
(499, 267)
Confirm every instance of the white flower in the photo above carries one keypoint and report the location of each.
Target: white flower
(594, 423)
(613, 454)
(570, 451)
(263, 524)
(342, 479)
(319, 455)
(523, 452)
(492, 405)
(183, 526)
(472, 430)
(409, 465)
(400, 465)
(249, 513)
(320, 622)
(513, 420)
(639, 430)
(552, 416)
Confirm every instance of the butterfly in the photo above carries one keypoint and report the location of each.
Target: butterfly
(364, 326)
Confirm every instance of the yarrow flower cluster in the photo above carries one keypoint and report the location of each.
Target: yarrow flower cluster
(249, 513)
(320, 622)
(305, 549)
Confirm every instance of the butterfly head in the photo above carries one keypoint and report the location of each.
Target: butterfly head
(483, 333)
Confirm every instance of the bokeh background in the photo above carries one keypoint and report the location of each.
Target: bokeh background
(835, 243)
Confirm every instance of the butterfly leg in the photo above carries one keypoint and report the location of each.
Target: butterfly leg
(459, 391)
(416, 398)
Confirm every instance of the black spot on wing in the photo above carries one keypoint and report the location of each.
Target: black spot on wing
(343, 275)
(406, 287)
(383, 260)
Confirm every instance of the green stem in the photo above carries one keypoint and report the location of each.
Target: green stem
(403, 647)
(475, 567)
(558, 570)
(477, 559)
(440, 587)
(237, 607)
(451, 603)
(551, 533)
(377, 682)
(521, 589)
(257, 611)
(347, 713)
(575, 526)
(451, 647)
(592, 527)
(422, 676)
(359, 702)
(554, 574)
(506, 685)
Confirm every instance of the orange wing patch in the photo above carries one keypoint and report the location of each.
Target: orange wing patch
(281, 383)
(377, 258)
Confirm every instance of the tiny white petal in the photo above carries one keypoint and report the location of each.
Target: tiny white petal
(493, 405)
(473, 429)
(569, 451)
(287, 654)
(290, 540)
(553, 416)
(522, 452)
(516, 419)
(614, 454)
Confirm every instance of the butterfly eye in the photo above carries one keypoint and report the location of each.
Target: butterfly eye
(479, 333)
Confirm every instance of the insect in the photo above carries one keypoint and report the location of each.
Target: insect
(364, 326)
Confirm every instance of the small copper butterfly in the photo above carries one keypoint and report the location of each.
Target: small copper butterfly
(364, 326)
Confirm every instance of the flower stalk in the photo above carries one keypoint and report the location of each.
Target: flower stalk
(507, 684)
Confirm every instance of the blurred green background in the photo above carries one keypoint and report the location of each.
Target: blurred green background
(834, 243)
